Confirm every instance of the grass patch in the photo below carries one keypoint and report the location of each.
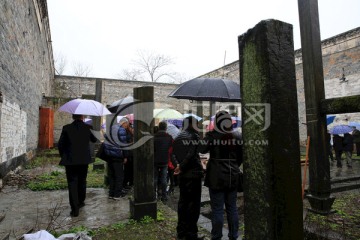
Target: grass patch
(164, 227)
(56, 180)
(344, 221)
(44, 158)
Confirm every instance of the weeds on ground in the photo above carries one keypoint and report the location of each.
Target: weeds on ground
(164, 227)
(56, 180)
(344, 222)
(44, 158)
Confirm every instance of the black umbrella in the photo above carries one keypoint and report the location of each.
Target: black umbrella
(208, 89)
(124, 105)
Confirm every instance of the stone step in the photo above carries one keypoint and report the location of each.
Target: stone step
(345, 179)
(345, 186)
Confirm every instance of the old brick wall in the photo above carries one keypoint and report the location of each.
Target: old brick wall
(340, 51)
(26, 73)
(70, 87)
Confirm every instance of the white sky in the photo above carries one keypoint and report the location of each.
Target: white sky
(107, 34)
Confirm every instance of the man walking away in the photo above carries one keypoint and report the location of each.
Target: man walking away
(74, 149)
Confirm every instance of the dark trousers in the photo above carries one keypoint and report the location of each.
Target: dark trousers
(338, 154)
(129, 172)
(188, 207)
(160, 176)
(217, 200)
(116, 178)
(357, 148)
(76, 179)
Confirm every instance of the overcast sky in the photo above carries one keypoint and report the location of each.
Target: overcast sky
(107, 34)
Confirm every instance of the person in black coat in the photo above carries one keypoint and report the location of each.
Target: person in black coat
(338, 148)
(190, 172)
(74, 149)
(222, 174)
(162, 144)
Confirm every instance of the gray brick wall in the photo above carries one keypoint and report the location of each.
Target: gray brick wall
(26, 72)
(69, 87)
(341, 51)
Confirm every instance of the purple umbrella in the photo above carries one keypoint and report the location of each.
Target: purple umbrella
(84, 107)
(341, 129)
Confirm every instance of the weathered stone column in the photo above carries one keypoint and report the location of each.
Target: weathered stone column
(272, 173)
(98, 97)
(319, 166)
(144, 202)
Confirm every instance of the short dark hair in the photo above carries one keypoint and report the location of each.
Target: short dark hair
(189, 122)
(223, 122)
(162, 125)
(77, 116)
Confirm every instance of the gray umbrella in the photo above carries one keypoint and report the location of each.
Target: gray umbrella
(208, 89)
(124, 105)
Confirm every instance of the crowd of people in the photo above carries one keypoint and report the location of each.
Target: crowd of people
(344, 143)
(175, 159)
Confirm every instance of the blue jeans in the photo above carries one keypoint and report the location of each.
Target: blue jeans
(217, 200)
(160, 175)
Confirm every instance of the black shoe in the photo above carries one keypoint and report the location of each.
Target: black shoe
(74, 213)
(81, 205)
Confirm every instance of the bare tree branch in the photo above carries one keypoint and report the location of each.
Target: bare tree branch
(60, 63)
(131, 74)
(81, 70)
(153, 64)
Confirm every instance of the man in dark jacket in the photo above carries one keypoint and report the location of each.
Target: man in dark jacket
(190, 171)
(74, 149)
(162, 144)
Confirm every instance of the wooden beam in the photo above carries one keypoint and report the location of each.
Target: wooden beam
(339, 105)
(319, 166)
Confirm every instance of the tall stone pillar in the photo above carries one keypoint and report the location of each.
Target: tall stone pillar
(272, 170)
(98, 97)
(144, 202)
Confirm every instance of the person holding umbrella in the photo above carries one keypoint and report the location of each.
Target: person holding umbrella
(74, 149)
(222, 174)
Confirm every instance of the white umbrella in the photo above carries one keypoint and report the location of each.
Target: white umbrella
(167, 114)
(172, 130)
(84, 107)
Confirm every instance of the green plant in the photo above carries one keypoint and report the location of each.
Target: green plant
(146, 220)
(160, 216)
(56, 180)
